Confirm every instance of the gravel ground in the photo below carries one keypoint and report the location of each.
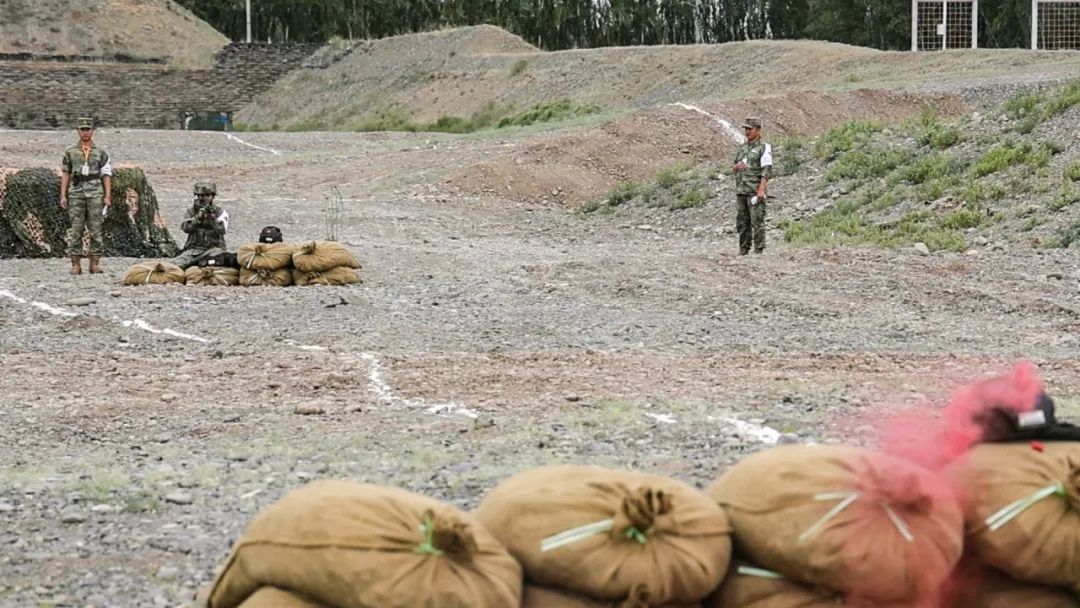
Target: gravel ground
(488, 336)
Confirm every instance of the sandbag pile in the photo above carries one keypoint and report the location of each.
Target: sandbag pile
(981, 587)
(748, 586)
(324, 263)
(154, 273)
(265, 264)
(611, 535)
(344, 544)
(212, 275)
(1022, 509)
(849, 520)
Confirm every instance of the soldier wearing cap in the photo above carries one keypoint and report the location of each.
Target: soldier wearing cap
(752, 165)
(86, 193)
(205, 224)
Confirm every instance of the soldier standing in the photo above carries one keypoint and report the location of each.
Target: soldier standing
(752, 165)
(86, 193)
(205, 224)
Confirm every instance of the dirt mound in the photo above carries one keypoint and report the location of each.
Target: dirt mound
(137, 29)
(576, 167)
(460, 72)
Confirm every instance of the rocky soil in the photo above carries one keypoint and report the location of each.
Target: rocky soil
(142, 427)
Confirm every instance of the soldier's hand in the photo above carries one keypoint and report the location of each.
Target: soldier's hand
(740, 166)
(63, 202)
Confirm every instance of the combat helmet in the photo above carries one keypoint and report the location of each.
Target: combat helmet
(205, 188)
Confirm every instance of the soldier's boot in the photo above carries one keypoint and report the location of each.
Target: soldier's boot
(95, 264)
(76, 264)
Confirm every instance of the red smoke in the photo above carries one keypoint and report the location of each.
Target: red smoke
(936, 437)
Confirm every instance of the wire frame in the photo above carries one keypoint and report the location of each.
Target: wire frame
(940, 24)
(1058, 25)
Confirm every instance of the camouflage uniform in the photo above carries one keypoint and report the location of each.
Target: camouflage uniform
(86, 194)
(750, 217)
(205, 227)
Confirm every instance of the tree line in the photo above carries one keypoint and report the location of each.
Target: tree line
(564, 24)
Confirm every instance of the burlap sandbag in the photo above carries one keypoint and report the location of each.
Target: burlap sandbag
(212, 275)
(795, 510)
(543, 597)
(265, 256)
(341, 275)
(354, 545)
(154, 273)
(272, 597)
(320, 256)
(981, 587)
(662, 534)
(747, 586)
(270, 278)
(1041, 544)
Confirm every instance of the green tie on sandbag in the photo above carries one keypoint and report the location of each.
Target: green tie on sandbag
(341, 543)
(602, 533)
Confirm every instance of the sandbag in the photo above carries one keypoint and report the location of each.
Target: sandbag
(268, 278)
(154, 273)
(847, 519)
(355, 545)
(543, 597)
(265, 256)
(272, 597)
(976, 586)
(320, 256)
(212, 275)
(747, 586)
(1041, 543)
(646, 530)
(341, 275)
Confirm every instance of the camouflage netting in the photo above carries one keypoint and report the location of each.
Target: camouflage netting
(32, 224)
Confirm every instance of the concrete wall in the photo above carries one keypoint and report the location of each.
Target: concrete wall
(52, 94)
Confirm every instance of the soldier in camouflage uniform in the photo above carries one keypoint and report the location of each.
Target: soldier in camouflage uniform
(205, 224)
(86, 193)
(752, 165)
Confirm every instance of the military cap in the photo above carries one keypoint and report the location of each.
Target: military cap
(84, 123)
(205, 188)
(752, 123)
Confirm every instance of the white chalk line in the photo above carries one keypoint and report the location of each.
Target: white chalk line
(732, 132)
(384, 391)
(240, 141)
(750, 430)
(135, 323)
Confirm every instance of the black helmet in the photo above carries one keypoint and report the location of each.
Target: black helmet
(270, 234)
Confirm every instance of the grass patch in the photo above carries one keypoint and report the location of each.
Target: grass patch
(518, 67)
(928, 130)
(1072, 171)
(1067, 236)
(845, 138)
(691, 198)
(678, 187)
(841, 225)
(563, 109)
(1011, 154)
(1023, 105)
(1068, 195)
(864, 164)
(788, 155)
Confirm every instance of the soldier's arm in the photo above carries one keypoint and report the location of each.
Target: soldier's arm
(188, 225)
(766, 170)
(65, 177)
(106, 176)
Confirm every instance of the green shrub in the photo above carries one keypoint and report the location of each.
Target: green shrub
(844, 138)
(866, 163)
(518, 67)
(690, 198)
(554, 111)
(1072, 171)
(1011, 154)
(961, 219)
